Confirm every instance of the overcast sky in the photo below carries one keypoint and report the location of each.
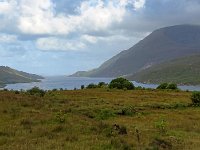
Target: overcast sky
(57, 37)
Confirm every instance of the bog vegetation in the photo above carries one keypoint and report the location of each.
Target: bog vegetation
(100, 117)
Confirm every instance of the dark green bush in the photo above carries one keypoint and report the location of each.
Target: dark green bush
(36, 91)
(168, 86)
(92, 86)
(162, 86)
(196, 98)
(17, 92)
(121, 83)
(82, 87)
(101, 84)
(172, 86)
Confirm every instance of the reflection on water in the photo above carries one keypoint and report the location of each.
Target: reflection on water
(69, 83)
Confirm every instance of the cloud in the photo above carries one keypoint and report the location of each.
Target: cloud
(6, 38)
(40, 16)
(89, 38)
(39, 19)
(139, 4)
(59, 44)
(7, 7)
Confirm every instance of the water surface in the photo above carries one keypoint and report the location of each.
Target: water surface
(70, 83)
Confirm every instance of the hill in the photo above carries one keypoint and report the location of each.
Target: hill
(10, 76)
(181, 71)
(162, 45)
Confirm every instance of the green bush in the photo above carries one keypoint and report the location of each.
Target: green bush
(162, 86)
(36, 91)
(168, 86)
(121, 83)
(161, 125)
(128, 111)
(105, 114)
(172, 86)
(196, 98)
(82, 87)
(101, 84)
(92, 86)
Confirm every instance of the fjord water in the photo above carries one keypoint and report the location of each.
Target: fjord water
(64, 82)
(57, 82)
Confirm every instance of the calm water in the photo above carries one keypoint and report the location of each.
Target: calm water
(69, 83)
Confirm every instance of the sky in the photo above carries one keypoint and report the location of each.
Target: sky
(60, 37)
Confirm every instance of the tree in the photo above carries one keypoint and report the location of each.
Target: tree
(121, 83)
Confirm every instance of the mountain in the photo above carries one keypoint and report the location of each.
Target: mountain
(10, 76)
(185, 71)
(162, 45)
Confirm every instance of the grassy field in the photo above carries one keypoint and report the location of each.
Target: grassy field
(99, 119)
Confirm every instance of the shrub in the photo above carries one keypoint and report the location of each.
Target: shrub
(101, 84)
(161, 125)
(92, 86)
(196, 98)
(36, 91)
(172, 86)
(169, 86)
(17, 92)
(162, 86)
(105, 114)
(82, 87)
(121, 83)
(128, 111)
(60, 117)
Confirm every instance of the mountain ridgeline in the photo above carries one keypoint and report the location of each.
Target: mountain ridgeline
(162, 45)
(11, 76)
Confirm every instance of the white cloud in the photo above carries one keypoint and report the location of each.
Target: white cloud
(59, 44)
(89, 38)
(6, 38)
(40, 17)
(7, 6)
(139, 4)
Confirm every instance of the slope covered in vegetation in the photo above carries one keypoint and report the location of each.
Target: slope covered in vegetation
(184, 70)
(99, 119)
(9, 76)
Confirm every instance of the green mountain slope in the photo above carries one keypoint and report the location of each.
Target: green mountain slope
(9, 76)
(184, 70)
(162, 45)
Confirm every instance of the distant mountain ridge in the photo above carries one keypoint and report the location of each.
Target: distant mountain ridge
(162, 45)
(10, 76)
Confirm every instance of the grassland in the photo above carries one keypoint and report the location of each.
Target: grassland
(99, 119)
